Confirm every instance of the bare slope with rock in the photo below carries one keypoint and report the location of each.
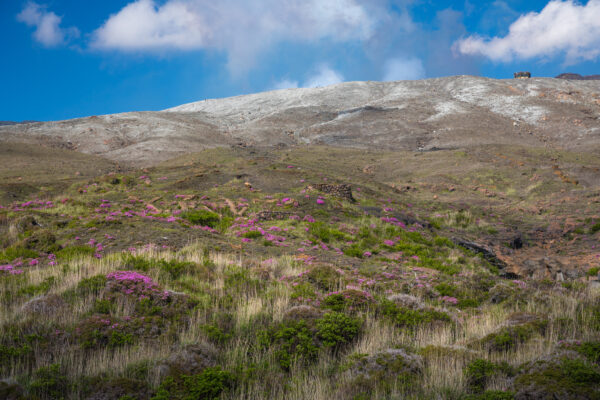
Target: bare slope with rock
(452, 112)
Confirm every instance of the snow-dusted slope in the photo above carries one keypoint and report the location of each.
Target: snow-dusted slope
(409, 115)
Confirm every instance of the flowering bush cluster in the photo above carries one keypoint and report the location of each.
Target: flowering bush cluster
(131, 282)
(9, 270)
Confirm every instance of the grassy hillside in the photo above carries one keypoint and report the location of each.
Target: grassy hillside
(246, 273)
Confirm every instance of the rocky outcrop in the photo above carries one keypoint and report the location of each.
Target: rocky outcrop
(578, 77)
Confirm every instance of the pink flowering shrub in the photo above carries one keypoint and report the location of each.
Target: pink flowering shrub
(9, 270)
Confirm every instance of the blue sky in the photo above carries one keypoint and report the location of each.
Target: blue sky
(71, 58)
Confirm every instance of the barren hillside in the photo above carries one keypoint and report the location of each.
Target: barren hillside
(431, 114)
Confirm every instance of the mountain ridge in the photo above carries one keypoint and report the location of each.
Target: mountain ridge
(419, 115)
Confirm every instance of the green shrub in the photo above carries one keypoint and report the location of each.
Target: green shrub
(42, 240)
(252, 235)
(41, 288)
(564, 378)
(92, 285)
(103, 306)
(593, 271)
(478, 373)
(201, 217)
(321, 232)
(595, 228)
(215, 334)
(355, 250)
(9, 354)
(445, 289)
(49, 382)
(490, 395)
(336, 329)
(510, 336)
(138, 263)
(408, 318)
(293, 341)
(304, 290)
(349, 299)
(239, 281)
(591, 351)
(73, 252)
(324, 276)
(15, 252)
(175, 268)
(118, 339)
(207, 385)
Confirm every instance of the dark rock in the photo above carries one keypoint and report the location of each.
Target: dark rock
(189, 360)
(27, 223)
(487, 253)
(10, 391)
(42, 240)
(516, 243)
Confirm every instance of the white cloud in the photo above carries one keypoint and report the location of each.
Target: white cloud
(561, 27)
(241, 28)
(47, 25)
(285, 84)
(324, 76)
(399, 69)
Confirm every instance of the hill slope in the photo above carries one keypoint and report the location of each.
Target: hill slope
(429, 114)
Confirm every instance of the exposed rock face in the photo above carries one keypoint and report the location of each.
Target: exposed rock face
(578, 77)
(432, 114)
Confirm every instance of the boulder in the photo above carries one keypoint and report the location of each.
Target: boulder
(189, 360)
(47, 305)
(387, 363)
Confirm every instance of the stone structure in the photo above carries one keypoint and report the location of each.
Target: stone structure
(343, 191)
(522, 75)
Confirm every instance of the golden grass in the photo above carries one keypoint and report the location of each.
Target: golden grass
(443, 370)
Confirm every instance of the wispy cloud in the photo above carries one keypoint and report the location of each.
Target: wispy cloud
(324, 76)
(399, 69)
(321, 76)
(561, 28)
(48, 31)
(240, 28)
